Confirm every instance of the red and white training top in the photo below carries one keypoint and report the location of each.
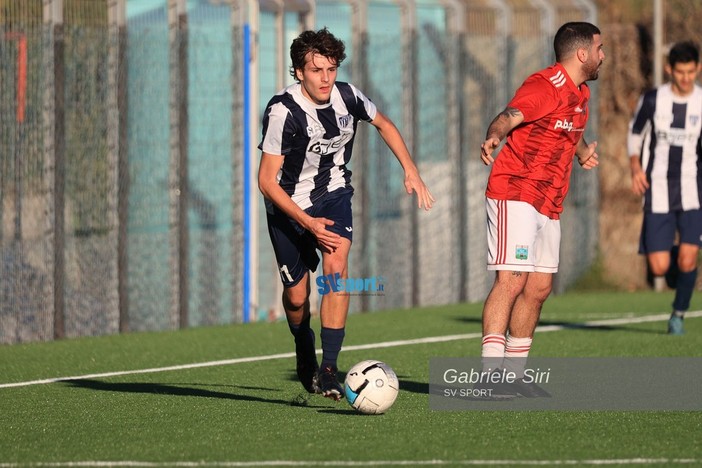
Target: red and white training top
(535, 163)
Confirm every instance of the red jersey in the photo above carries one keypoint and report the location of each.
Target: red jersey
(535, 163)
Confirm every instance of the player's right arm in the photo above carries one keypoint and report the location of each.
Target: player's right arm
(268, 184)
(501, 125)
(638, 127)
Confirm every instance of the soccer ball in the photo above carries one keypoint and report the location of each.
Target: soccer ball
(371, 387)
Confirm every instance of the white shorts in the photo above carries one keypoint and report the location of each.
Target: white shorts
(520, 238)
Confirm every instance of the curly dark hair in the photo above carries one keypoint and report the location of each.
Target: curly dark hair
(320, 42)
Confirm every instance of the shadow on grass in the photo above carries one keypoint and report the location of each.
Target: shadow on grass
(163, 389)
(576, 326)
(242, 387)
(414, 387)
(347, 411)
(340, 376)
(585, 326)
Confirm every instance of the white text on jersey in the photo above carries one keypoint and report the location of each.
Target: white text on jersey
(564, 124)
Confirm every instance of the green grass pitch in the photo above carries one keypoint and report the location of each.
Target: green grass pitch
(255, 413)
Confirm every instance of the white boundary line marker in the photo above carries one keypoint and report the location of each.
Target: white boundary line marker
(384, 344)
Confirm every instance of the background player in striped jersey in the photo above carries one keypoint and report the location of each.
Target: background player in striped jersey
(308, 134)
(664, 149)
(543, 128)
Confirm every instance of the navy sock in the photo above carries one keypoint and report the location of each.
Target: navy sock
(332, 339)
(683, 292)
(303, 325)
(304, 336)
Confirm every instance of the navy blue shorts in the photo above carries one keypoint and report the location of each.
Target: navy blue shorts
(658, 230)
(296, 248)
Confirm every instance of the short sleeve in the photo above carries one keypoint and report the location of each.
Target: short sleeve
(361, 107)
(277, 130)
(535, 99)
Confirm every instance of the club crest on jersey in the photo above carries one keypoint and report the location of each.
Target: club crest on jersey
(522, 252)
(564, 124)
(345, 120)
(694, 119)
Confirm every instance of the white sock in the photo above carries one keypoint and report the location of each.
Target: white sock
(493, 351)
(516, 352)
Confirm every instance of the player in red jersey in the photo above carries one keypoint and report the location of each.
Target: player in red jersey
(544, 127)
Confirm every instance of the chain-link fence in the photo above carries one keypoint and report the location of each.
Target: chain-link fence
(128, 154)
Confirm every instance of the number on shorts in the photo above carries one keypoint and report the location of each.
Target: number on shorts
(285, 274)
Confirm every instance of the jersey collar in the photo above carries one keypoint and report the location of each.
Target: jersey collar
(569, 80)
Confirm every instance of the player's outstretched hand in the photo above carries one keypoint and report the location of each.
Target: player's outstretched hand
(414, 183)
(487, 148)
(589, 160)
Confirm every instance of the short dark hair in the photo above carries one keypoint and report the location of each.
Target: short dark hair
(683, 52)
(320, 42)
(573, 36)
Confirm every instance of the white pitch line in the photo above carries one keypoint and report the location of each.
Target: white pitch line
(197, 464)
(384, 344)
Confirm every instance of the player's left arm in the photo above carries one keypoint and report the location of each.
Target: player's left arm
(587, 156)
(413, 182)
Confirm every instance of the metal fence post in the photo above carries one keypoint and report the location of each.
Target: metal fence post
(54, 149)
(117, 147)
(178, 174)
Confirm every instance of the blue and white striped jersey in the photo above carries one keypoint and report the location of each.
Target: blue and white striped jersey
(665, 132)
(315, 140)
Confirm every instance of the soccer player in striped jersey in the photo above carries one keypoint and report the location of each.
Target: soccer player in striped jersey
(543, 129)
(664, 149)
(308, 135)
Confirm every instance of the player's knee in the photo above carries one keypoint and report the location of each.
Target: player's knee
(539, 297)
(509, 284)
(659, 268)
(538, 292)
(687, 264)
(335, 265)
(295, 299)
